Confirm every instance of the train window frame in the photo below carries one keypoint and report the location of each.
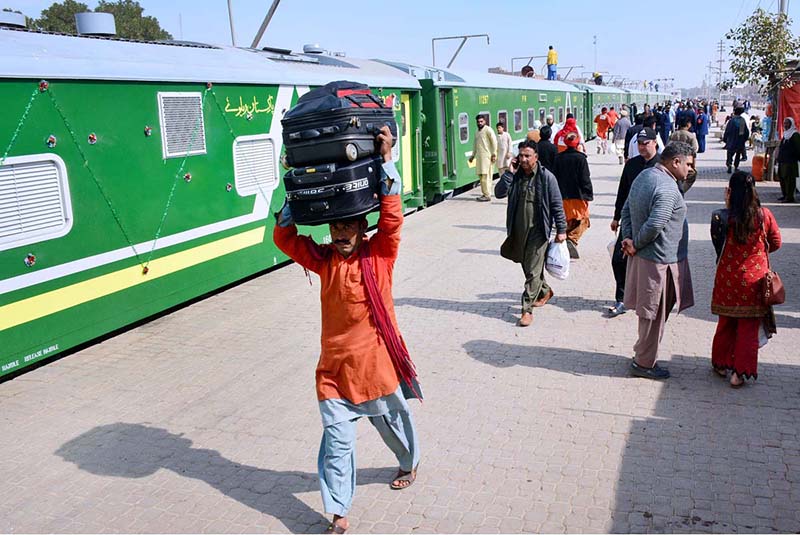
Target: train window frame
(531, 117)
(560, 114)
(170, 126)
(463, 127)
(518, 120)
(553, 113)
(487, 116)
(502, 117)
(542, 114)
(243, 187)
(60, 178)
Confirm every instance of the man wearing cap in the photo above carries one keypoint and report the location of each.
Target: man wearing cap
(644, 160)
(655, 238)
(649, 121)
(364, 369)
(621, 128)
(534, 205)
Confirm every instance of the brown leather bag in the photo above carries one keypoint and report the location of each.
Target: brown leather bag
(772, 288)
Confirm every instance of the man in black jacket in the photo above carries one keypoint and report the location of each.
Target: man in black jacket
(546, 150)
(575, 184)
(534, 204)
(648, 152)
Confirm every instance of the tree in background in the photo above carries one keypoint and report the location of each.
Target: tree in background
(760, 47)
(128, 16)
(131, 22)
(60, 17)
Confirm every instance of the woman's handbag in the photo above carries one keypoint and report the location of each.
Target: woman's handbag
(772, 288)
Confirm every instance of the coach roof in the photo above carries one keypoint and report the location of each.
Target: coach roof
(29, 54)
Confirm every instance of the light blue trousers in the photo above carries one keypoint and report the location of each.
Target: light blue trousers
(337, 455)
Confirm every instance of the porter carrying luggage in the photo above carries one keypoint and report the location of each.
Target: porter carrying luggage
(328, 192)
(335, 123)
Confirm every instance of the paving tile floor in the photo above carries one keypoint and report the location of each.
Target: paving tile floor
(205, 420)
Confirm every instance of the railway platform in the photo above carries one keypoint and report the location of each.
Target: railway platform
(205, 419)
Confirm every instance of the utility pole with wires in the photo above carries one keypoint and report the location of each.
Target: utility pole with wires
(720, 62)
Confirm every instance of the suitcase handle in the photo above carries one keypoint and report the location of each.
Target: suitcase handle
(320, 206)
(367, 100)
(315, 133)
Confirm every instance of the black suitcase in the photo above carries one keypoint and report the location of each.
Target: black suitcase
(335, 123)
(329, 192)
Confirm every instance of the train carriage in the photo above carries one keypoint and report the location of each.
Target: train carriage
(136, 176)
(597, 97)
(452, 100)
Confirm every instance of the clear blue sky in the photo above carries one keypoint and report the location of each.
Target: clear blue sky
(637, 39)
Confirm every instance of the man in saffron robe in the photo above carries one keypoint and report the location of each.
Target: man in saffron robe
(363, 359)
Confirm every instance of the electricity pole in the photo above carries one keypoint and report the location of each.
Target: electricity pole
(720, 61)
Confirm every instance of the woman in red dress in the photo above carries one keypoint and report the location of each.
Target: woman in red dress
(737, 298)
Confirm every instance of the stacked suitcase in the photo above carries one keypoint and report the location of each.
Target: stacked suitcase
(329, 138)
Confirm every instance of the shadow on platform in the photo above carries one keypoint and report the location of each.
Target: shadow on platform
(136, 451)
(706, 458)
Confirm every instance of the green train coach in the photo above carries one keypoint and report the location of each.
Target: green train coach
(452, 100)
(137, 176)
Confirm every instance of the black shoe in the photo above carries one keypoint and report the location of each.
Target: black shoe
(573, 250)
(656, 372)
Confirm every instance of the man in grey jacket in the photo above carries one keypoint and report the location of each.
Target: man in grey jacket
(534, 204)
(655, 238)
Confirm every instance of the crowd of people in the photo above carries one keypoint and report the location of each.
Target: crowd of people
(650, 255)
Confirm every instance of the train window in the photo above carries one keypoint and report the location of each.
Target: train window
(182, 130)
(531, 118)
(502, 117)
(463, 127)
(541, 115)
(37, 205)
(517, 120)
(553, 113)
(561, 114)
(254, 165)
(403, 119)
(569, 110)
(486, 117)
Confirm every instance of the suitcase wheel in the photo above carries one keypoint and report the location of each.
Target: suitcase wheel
(321, 206)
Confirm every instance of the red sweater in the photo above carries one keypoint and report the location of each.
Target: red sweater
(354, 363)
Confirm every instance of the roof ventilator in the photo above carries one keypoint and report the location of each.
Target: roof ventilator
(100, 24)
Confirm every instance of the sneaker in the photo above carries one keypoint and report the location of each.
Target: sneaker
(598, 150)
(483, 198)
(656, 372)
(617, 310)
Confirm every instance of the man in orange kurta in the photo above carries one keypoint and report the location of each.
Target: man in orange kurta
(356, 375)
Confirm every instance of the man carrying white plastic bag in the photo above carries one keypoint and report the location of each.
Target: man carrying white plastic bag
(534, 205)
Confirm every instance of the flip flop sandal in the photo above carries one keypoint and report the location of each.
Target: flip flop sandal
(335, 528)
(404, 476)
